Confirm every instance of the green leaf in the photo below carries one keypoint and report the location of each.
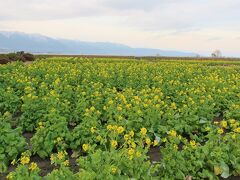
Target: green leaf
(203, 121)
(225, 169)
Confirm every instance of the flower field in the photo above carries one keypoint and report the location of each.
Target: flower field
(103, 118)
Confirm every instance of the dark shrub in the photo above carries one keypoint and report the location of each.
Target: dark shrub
(19, 56)
(28, 57)
(14, 57)
(4, 60)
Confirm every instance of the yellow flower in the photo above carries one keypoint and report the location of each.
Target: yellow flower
(119, 108)
(126, 137)
(131, 151)
(92, 130)
(66, 163)
(164, 139)
(234, 136)
(193, 143)
(85, 147)
(57, 81)
(139, 111)
(115, 127)
(99, 138)
(120, 118)
(224, 124)
(143, 131)
(60, 155)
(148, 141)
(220, 131)
(232, 121)
(128, 106)
(110, 102)
(40, 125)
(215, 122)
(173, 105)
(109, 127)
(131, 133)
(24, 160)
(207, 129)
(129, 142)
(120, 129)
(237, 130)
(157, 105)
(145, 105)
(138, 154)
(114, 170)
(155, 142)
(172, 133)
(130, 157)
(13, 162)
(52, 158)
(52, 92)
(114, 143)
(92, 108)
(33, 166)
(10, 176)
(175, 146)
(202, 101)
(179, 137)
(209, 96)
(133, 145)
(59, 139)
(217, 170)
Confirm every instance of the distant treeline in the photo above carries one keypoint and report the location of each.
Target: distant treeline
(22, 56)
(18, 56)
(144, 57)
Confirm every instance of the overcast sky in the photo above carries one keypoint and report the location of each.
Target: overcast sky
(199, 26)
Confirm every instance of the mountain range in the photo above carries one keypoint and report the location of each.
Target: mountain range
(39, 44)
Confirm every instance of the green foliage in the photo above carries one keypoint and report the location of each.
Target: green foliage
(11, 141)
(23, 172)
(50, 134)
(114, 164)
(61, 173)
(111, 112)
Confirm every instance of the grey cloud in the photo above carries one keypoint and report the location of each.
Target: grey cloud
(147, 15)
(183, 15)
(48, 9)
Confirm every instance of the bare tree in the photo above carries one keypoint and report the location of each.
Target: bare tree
(198, 56)
(217, 53)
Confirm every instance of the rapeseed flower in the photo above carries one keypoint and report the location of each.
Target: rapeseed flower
(143, 131)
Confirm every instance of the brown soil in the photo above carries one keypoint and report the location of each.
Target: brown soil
(154, 154)
(44, 164)
(28, 136)
(232, 178)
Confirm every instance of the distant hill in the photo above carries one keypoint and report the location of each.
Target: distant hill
(35, 43)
